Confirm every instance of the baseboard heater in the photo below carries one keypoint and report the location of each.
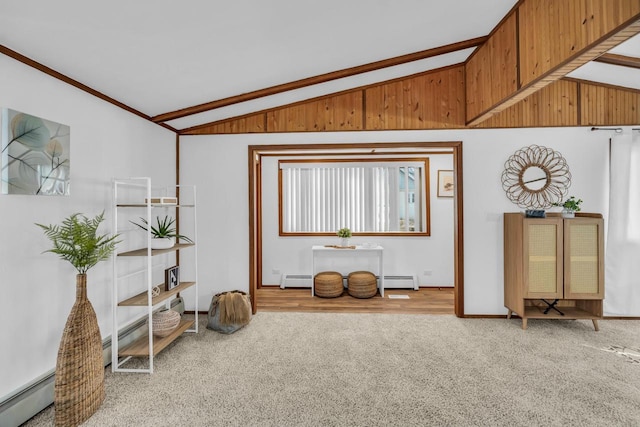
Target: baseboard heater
(390, 282)
(401, 282)
(295, 281)
(26, 402)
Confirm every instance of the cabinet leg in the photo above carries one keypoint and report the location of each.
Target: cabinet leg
(524, 323)
(509, 314)
(595, 324)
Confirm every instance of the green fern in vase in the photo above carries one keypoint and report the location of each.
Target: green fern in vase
(76, 241)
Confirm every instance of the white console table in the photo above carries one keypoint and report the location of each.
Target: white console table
(377, 251)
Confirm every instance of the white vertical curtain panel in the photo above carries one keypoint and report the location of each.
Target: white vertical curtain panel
(327, 197)
(622, 262)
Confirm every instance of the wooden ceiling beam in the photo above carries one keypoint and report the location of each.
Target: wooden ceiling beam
(544, 41)
(622, 60)
(57, 75)
(323, 78)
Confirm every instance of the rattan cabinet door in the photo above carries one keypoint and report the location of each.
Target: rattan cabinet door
(584, 258)
(543, 258)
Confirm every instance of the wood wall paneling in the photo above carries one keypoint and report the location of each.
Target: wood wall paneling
(552, 31)
(253, 123)
(556, 37)
(433, 100)
(607, 106)
(553, 105)
(333, 113)
(492, 71)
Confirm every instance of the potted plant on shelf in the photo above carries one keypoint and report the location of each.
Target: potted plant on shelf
(345, 235)
(163, 234)
(569, 207)
(79, 378)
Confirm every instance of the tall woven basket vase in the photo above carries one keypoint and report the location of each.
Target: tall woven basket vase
(79, 380)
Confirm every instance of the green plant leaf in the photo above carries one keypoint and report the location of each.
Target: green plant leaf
(345, 233)
(76, 241)
(163, 229)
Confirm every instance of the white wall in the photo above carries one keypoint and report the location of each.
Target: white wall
(217, 164)
(38, 289)
(404, 255)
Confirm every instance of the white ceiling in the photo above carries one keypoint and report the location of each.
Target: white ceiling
(611, 74)
(163, 55)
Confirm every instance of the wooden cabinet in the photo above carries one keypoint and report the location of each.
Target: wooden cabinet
(554, 267)
(138, 269)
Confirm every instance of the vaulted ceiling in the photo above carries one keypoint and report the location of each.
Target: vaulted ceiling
(161, 58)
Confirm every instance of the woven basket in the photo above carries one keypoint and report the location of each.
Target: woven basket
(79, 379)
(328, 284)
(362, 284)
(164, 322)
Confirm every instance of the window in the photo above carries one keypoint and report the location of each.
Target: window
(381, 196)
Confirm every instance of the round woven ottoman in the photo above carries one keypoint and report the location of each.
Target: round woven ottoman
(328, 284)
(362, 284)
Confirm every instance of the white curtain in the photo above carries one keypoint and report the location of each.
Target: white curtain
(622, 263)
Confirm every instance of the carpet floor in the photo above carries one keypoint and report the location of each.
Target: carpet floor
(328, 369)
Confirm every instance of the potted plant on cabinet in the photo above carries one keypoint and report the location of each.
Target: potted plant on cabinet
(79, 378)
(163, 234)
(569, 207)
(344, 234)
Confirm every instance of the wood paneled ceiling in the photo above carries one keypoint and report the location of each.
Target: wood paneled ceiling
(252, 66)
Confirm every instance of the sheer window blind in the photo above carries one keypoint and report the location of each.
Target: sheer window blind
(364, 196)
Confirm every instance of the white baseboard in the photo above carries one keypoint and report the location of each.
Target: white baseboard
(35, 396)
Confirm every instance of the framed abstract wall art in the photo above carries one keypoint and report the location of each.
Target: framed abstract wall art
(35, 156)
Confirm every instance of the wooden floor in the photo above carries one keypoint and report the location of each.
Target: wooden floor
(422, 301)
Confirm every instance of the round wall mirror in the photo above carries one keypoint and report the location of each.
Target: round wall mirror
(535, 178)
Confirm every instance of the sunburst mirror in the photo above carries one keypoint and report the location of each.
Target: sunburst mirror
(536, 177)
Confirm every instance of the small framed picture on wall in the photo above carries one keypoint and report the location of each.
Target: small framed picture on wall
(171, 277)
(445, 183)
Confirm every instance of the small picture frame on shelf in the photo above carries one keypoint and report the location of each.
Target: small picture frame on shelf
(171, 277)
